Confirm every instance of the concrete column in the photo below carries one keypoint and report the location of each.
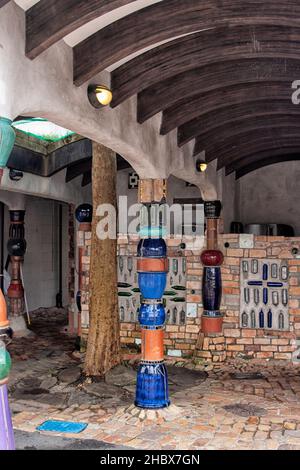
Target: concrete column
(84, 215)
(16, 247)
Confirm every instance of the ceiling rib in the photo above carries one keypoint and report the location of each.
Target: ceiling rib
(200, 105)
(262, 155)
(233, 114)
(211, 78)
(168, 19)
(253, 142)
(3, 2)
(225, 43)
(48, 21)
(266, 162)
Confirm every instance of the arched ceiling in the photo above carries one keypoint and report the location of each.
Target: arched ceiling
(219, 71)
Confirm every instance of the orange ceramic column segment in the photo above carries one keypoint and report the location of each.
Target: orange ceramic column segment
(153, 345)
(3, 312)
(156, 265)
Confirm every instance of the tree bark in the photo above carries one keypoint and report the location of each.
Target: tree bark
(103, 346)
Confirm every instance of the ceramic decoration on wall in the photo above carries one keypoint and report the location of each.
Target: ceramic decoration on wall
(174, 298)
(264, 294)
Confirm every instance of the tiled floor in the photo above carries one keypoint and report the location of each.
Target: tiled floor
(233, 406)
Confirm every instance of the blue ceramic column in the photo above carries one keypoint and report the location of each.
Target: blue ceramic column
(152, 266)
(7, 140)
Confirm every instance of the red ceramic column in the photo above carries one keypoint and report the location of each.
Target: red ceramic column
(212, 259)
(16, 247)
(83, 214)
(7, 441)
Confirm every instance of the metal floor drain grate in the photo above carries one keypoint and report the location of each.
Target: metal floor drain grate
(245, 410)
(246, 376)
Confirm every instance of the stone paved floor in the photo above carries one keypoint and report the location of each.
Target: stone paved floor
(233, 406)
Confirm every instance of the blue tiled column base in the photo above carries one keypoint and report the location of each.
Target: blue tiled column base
(152, 386)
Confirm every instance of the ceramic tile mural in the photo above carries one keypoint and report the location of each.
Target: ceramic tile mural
(175, 294)
(264, 294)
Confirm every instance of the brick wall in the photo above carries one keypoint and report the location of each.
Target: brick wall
(187, 340)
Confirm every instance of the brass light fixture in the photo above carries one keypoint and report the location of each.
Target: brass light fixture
(99, 95)
(201, 165)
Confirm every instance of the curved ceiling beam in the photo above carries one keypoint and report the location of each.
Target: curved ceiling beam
(210, 121)
(191, 108)
(3, 2)
(265, 162)
(48, 21)
(168, 19)
(250, 143)
(172, 58)
(247, 160)
(212, 77)
(230, 130)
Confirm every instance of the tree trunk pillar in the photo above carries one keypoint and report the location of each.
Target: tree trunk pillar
(103, 345)
(152, 266)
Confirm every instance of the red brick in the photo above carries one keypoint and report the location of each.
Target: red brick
(232, 332)
(264, 354)
(244, 341)
(235, 252)
(232, 261)
(269, 348)
(249, 333)
(258, 253)
(262, 340)
(280, 341)
(294, 291)
(235, 347)
(282, 356)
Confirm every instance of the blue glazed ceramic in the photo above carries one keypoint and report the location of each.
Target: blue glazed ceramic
(78, 301)
(84, 213)
(152, 248)
(152, 386)
(211, 288)
(152, 315)
(7, 140)
(152, 285)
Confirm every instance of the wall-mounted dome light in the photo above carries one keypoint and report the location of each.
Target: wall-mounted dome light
(99, 95)
(201, 166)
(15, 175)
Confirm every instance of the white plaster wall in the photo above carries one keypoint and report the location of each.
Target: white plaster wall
(41, 259)
(271, 195)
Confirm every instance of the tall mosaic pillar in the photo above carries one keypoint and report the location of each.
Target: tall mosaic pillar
(84, 215)
(152, 266)
(7, 441)
(212, 259)
(7, 140)
(16, 247)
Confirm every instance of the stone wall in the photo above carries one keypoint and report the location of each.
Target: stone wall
(184, 341)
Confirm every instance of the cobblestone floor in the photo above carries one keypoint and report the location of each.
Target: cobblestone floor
(230, 406)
